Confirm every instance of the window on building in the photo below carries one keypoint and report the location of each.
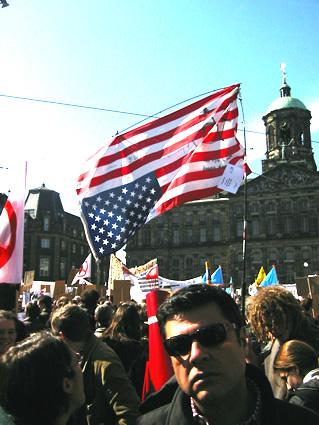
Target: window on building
(202, 218)
(74, 233)
(286, 205)
(82, 250)
(271, 207)
(160, 262)
(239, 228)
(189, 235)
(45, 243)
(287, 222)
(304, 224)
(306, 254)
(176, 262)
(189, 219)
(73, 248)
(202, 261)
(44, 266)
(161, 238)
(254, 208)
(289, 255)
(256, 256)
(176, 237)
(63, 268)
(176, 219)
(147, 236)
(46, 224)
(239, 210)
(202, 234)
(216, 261)
(273, 256)
(189, 262)
(63, 245)
(217, 234)
(304, 204)
(255, 227)
(271, 226)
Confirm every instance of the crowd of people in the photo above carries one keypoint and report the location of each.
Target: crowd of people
(82, 361)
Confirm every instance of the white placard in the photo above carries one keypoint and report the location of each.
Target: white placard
(231, 178)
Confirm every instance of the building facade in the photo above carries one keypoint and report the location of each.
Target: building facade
(54, 240)
(281, 208)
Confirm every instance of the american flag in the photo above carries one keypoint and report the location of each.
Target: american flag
(149, 170)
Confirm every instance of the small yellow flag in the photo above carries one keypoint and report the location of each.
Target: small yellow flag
(261, 276)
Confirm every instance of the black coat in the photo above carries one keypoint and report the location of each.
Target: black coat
(274, 411)
(306, 395)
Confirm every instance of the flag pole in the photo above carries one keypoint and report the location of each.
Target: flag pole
(243, 286)
(98, 272)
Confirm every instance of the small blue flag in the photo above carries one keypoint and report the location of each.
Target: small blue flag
(270, 279)
(217, 276)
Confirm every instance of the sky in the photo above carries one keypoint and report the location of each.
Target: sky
(140, 57)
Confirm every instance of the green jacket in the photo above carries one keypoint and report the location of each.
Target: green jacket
(110, 396)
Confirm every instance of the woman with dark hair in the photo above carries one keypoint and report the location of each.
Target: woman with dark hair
(124, 336)
(297, 365)
(40, 381)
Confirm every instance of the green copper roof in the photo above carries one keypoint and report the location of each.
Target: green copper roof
(284, 103)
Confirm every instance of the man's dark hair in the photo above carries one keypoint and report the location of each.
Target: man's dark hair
(194, 296)
(31, 379)
(73, 321)
(90, 299)
(103, 314)
(32, 310)
(46, 301)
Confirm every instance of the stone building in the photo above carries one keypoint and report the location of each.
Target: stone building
(54, 240)
(282, 209)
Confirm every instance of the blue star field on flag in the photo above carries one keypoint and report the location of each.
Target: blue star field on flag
(112, 217)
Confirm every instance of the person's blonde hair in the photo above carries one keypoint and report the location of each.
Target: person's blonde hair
(270, 307)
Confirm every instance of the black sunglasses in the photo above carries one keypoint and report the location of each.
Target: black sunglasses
(207, 336)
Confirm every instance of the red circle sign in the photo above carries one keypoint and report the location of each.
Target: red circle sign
(83, 269)
(6, 251)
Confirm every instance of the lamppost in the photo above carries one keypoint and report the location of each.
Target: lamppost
(306, 266)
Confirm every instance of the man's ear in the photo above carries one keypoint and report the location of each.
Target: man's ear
(67, 385)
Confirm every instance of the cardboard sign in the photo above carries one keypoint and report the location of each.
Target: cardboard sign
(309, 287)
(121, 291)
(28, 279)
(59, 289)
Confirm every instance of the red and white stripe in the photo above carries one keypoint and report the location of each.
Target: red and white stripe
(187, 150)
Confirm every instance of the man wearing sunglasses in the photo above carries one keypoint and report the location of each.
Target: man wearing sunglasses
(203, 332)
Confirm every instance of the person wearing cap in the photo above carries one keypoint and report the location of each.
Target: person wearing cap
(204, 335)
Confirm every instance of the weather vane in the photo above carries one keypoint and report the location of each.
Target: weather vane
(283, 70)
(4, 3)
